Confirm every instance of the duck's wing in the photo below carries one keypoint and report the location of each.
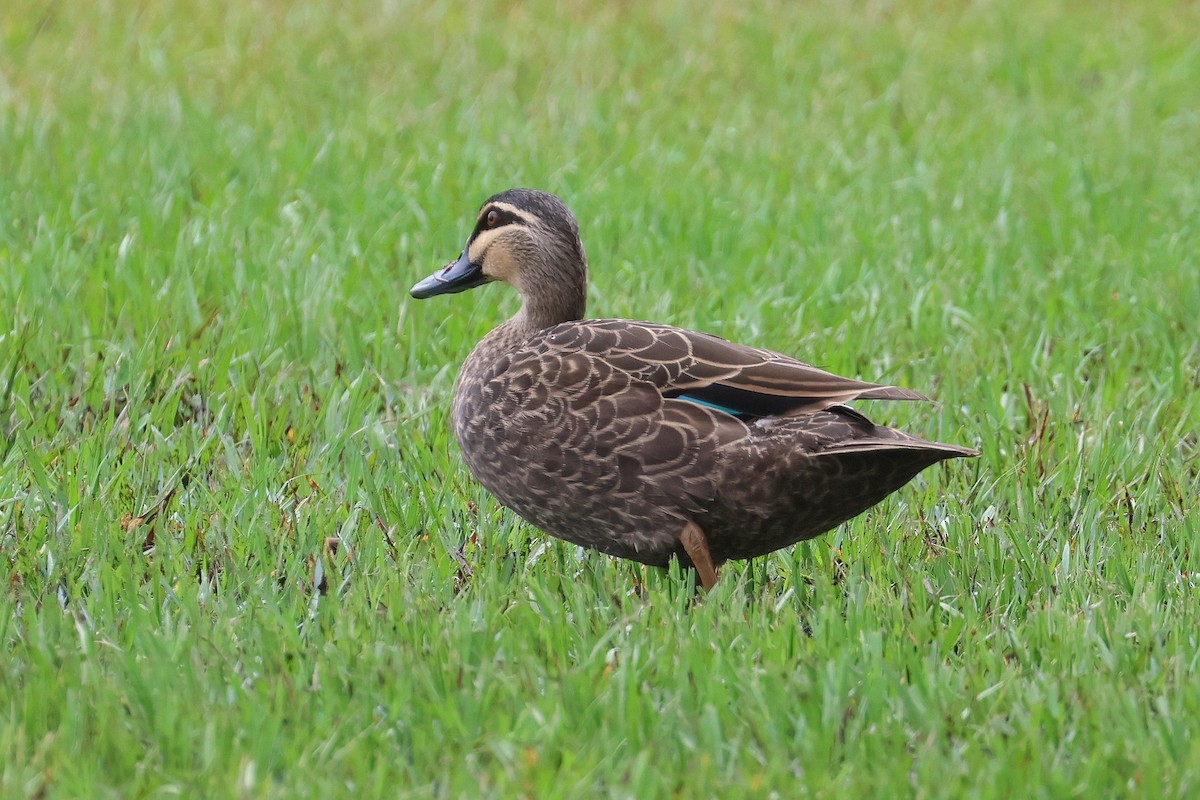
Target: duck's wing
(747, 382)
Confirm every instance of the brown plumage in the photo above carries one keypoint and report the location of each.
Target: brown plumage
(647, 441)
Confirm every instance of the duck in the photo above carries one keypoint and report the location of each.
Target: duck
(647, 441)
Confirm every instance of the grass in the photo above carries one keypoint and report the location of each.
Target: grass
(210, 214)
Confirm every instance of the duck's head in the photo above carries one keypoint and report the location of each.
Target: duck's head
(530, 240)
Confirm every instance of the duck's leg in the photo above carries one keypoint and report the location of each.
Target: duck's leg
(696, 544)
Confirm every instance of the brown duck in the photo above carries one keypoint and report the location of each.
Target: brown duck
(647, 441)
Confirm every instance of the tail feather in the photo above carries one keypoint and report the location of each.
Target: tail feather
(891, 393)
(905, 443)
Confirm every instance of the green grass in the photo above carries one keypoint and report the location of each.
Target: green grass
(211, 212)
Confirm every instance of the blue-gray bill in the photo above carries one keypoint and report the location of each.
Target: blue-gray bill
(457, 276)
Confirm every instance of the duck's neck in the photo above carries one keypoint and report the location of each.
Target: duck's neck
(544, 310)
(543, 306)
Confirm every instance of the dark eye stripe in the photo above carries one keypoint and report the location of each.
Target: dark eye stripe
(502, 218)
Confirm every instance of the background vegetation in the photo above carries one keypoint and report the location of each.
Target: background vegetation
(240, 557)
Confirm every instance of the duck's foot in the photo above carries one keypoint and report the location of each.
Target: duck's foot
(696, 544)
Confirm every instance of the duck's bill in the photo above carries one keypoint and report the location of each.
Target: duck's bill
(457, 276)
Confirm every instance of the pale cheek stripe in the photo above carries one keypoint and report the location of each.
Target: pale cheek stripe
(480, 245)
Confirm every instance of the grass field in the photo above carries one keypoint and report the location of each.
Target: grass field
(210, 215)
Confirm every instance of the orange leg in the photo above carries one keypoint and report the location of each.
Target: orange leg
(696, 544)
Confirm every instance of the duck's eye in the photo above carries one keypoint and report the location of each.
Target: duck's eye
(493, 219)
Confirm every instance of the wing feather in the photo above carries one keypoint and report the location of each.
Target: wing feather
(714, 371)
